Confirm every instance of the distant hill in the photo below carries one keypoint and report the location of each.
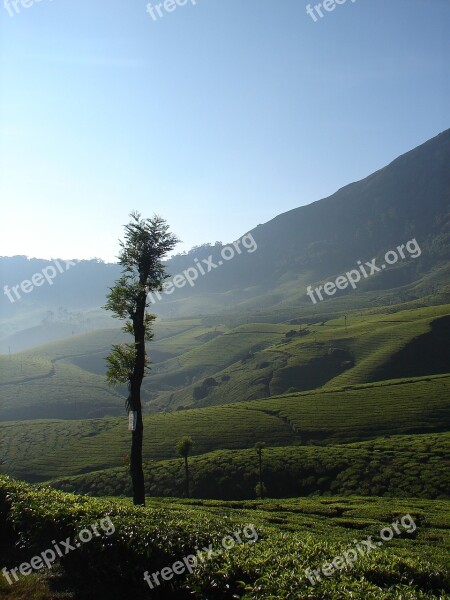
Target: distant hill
(409, 198)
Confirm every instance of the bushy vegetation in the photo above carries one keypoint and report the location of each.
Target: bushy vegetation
(292, 536)
(401, 466)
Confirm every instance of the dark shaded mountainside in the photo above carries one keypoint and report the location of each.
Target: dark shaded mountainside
(410, 198)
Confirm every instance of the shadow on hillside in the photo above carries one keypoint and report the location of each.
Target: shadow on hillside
(427, 354)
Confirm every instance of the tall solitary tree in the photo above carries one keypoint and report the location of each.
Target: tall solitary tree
(146, 243)
(184, 448)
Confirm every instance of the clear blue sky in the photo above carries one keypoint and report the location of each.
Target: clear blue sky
(218, 116)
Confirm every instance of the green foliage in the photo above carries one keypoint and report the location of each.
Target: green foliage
(184, 446)
(259, 447)
(399, 466)
(123, 296)
(120, 362)
(292, 535)
(146, 242)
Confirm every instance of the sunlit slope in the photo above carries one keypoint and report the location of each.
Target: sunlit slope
(222, 351)
(45, 449)
(47, 383)
(371, 409)
(257, 360)
(66, 379)
(66, 393)
(197, 364)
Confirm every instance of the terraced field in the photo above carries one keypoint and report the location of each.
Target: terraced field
(197, 364)
(65, 392)
(398, 466)
(257, 360)
(20, 367)
(65, 379)
(39, 450)
(365, 411)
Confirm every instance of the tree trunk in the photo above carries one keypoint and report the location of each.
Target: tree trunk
(260, 475)
(186, 472)
(136, 470)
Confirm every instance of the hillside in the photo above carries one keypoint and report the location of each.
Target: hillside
(40, 450)
(367, 468)
(263, 360)
(196, 363)
(273, 265)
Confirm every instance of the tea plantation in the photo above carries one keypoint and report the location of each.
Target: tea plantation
(291, 537)
(400, 466)
(42, 450)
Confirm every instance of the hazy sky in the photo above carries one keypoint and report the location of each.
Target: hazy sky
(218, 116)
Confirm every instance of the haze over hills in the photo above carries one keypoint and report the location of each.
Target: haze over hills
(257, 334)
(410, 198)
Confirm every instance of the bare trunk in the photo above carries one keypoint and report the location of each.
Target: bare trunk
(260, 475)
(136, 470)
(186, 471)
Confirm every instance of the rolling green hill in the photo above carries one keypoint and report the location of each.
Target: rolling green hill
(40, 450)
(66, 379)
(198, 364)
(256, 360)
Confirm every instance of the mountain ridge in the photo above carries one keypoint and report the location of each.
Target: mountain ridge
(408, 198)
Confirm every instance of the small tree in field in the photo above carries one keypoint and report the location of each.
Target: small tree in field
(147, 241)
(184, 448)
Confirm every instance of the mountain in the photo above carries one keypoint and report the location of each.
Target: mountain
(410, 198)
(272, 265)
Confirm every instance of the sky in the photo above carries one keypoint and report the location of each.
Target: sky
(218, 115)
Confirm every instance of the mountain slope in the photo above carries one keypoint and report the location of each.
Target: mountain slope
(409, 198)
